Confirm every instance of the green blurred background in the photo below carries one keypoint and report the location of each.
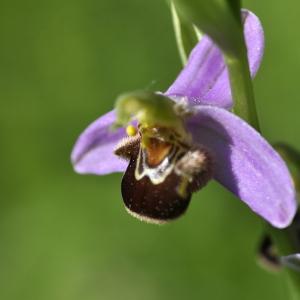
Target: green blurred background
(65, 236)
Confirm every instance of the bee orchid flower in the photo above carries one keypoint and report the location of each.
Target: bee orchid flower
(176, 141)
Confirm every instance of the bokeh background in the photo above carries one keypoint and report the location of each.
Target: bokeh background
(65, 236)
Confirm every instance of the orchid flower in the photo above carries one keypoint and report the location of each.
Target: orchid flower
(166, 161)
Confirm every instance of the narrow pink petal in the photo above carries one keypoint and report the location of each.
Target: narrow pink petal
(204, 80)
(93, 151)
(246, 164)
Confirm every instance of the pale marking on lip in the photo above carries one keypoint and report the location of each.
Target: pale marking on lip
(147, 219)
(158, 174)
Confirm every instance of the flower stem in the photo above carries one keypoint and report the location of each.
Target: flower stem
(242, 89)
(221, 20)
(244, 106)
(187, 35)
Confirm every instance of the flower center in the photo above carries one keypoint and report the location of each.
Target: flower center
(156, 152)
(164, 170)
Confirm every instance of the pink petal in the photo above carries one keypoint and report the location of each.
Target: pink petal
(93, 151)
(246, 164)
(204, 80)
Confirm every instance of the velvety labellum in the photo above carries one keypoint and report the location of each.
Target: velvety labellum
(150, 192)
(156, 172)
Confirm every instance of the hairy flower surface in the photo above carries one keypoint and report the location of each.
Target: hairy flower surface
(164, 167)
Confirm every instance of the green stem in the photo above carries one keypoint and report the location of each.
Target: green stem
(244, 106)
(220, 19)
(242, 89)
(187, 35)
